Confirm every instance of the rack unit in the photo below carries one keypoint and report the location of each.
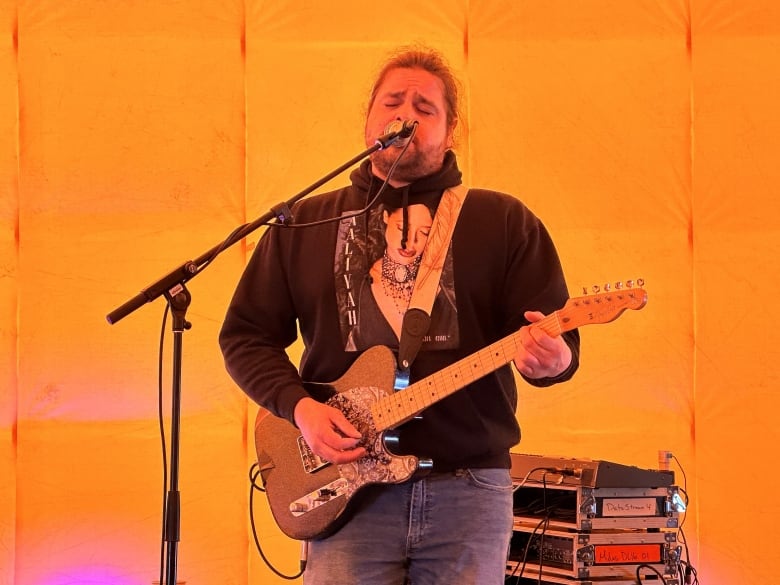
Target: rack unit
(583, 522)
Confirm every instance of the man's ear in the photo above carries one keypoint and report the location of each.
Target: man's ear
(451, 135)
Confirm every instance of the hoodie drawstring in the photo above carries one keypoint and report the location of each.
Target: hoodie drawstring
(405, 228)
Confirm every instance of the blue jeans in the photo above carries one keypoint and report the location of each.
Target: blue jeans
(445, 528)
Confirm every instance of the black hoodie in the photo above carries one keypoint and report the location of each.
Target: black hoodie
(502, 263)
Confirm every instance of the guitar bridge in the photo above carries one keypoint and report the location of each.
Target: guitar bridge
(311, 462)
(323, 495)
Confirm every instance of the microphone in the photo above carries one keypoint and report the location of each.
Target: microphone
(395, 132)
(403, 128)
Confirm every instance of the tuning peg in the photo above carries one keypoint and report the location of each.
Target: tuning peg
(596, 288)
(607, 287)
(630, 283)
(640, 282)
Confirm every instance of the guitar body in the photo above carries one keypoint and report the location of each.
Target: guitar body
(310, 499)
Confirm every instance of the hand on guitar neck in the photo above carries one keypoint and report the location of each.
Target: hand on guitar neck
(328, 432)
(539, 354)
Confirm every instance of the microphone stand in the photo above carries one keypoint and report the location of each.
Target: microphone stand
(172, 287)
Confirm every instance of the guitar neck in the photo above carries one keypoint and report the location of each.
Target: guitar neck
(397, 408)
(402, 406)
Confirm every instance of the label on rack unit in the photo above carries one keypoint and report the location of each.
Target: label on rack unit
(623, 507)
(618, 554)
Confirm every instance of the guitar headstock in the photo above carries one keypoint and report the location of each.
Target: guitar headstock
(603, 307)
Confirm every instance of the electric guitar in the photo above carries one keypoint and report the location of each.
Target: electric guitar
(309, 498)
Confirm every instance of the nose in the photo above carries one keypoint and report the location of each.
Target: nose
(405, 111)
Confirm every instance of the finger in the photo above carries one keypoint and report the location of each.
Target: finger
(340, 457)
(343, 426)
(341, 443)
(527, 364)
(546, 343)
(533, 316)
(342, 434)
(336, 454)
(533, 351)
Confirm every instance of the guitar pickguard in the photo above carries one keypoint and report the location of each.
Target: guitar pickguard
(378, 465)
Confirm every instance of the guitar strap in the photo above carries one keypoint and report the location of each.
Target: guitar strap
(417, 318)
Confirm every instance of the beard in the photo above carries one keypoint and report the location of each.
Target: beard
(414, 164)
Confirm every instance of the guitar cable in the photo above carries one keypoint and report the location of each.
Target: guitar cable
(254, 472)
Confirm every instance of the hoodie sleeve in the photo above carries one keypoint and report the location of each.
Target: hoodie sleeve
(535, 281)
(259, 325)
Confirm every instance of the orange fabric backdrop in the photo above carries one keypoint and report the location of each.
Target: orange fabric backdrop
(136, 135)
(9, 283)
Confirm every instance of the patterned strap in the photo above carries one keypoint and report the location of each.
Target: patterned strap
(418, 316)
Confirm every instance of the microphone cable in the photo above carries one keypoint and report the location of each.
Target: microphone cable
(368, 206)
(222, 246)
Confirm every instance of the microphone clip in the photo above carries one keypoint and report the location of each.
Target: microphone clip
(395, 131)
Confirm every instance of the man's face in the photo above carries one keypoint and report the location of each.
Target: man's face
(410, 94)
